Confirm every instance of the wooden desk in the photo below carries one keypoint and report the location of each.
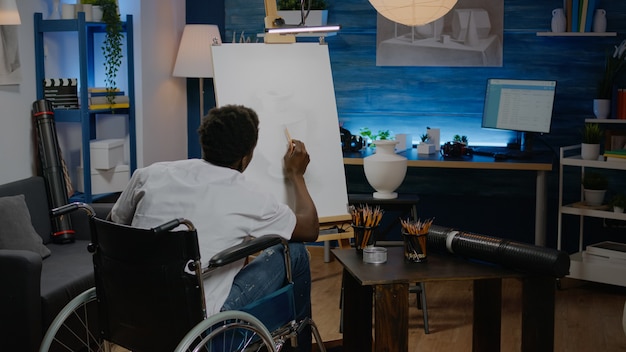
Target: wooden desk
(385, 288)
(539, 163)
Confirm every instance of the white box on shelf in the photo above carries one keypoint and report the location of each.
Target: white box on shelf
(404, 142)
(105, 181)
(106, 153)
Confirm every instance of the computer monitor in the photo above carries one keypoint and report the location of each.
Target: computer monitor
(519, 105)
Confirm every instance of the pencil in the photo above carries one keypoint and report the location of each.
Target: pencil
(289, 140)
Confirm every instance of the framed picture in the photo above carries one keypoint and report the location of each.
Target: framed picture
(615, 139)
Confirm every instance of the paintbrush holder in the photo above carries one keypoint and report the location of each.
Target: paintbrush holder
(364, 237)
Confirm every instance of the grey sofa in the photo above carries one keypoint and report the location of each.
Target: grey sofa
(33, 290)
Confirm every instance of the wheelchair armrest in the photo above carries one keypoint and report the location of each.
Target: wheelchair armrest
(244, 249)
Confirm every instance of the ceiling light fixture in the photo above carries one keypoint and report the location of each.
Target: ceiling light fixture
(413, 12)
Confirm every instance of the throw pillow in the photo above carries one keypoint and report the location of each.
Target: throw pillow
(16, 229)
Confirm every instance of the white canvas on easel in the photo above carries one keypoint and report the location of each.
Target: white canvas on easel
(289, 86)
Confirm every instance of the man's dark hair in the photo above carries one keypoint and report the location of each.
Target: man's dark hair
(228, 133)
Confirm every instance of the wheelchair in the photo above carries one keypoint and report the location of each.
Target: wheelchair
(148, 296)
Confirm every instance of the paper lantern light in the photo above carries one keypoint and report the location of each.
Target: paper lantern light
(413, 12)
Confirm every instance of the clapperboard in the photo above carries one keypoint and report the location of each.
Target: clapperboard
(61, 92)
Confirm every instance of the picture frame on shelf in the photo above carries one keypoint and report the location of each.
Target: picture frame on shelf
(614, 139)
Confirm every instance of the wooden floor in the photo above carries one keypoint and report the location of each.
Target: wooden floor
(588, 315)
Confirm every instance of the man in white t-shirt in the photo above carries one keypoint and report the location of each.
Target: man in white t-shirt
(226, 208)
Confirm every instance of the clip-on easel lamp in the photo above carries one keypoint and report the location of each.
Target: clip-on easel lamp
(8, 13)
(194, 59)
(279, 32)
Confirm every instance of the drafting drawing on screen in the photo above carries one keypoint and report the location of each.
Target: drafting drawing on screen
(290, 87)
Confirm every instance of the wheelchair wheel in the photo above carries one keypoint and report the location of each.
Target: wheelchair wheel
(228, 331)
(70, 330)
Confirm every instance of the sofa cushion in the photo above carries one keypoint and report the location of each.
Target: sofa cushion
(67, 273)
(17, 231)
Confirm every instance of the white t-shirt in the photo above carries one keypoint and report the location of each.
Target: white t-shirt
(223, 206)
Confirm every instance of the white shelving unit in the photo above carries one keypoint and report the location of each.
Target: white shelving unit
(576, 34)
(580, 269)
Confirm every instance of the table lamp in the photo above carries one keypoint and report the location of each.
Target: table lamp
(194, 59)
(413, 12)
(8, 13)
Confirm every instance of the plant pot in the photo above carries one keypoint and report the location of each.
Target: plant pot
(96, 13)
(589, 151)
(617, 209)
(315, 18)
(601, 108)
(385, 170)
(425, 148)
(594, 197)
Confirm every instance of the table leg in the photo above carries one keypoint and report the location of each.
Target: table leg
(357, 315)
(538, 304)
(487, 315)
(541, 199)
(391, 326)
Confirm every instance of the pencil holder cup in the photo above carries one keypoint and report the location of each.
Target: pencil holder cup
(363, 237)
(414, 247)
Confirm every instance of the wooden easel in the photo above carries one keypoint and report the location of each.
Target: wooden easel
(271, 15)
(343, 238)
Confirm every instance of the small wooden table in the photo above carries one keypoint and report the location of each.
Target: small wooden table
(385, 287)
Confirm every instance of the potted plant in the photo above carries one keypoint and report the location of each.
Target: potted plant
(591, 137)
(425, 147)
(292, 12)
(370, 137)
(613, 65)
(594, 188)
(459, 139)
(112, 46)
(618, 202)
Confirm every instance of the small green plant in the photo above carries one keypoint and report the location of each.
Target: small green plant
(425, 137)
(595, 181)
(459, 139)
(592, 133)
(618, 200)
(112, 46)
(384, 135)
(381, 135)
(296, 4)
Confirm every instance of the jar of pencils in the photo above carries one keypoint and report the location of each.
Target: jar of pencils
(364, 236)
(365, 220)
(414, 235)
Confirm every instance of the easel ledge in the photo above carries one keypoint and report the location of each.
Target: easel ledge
(341, 222)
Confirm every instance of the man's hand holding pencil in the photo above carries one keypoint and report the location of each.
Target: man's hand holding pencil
(296, 158)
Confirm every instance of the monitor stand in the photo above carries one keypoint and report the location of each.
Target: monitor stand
(522, 148)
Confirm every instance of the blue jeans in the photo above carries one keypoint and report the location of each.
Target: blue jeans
(266, 274)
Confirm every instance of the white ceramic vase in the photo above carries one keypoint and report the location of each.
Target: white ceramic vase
(96, 13)
(559, 22)
(594, 197)
(599, 21)
(589, 151)
(385, 170)
(601, 108)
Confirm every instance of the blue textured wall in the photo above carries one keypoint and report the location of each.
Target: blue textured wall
(407, 99)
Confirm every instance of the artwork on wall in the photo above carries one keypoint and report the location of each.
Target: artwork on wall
(469, 35)
(9, 56)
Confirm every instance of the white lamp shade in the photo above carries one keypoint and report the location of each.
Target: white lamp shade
(9, 13)
(413, 12)
(194, 53)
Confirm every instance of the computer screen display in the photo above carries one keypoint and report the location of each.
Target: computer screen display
(519, 105)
